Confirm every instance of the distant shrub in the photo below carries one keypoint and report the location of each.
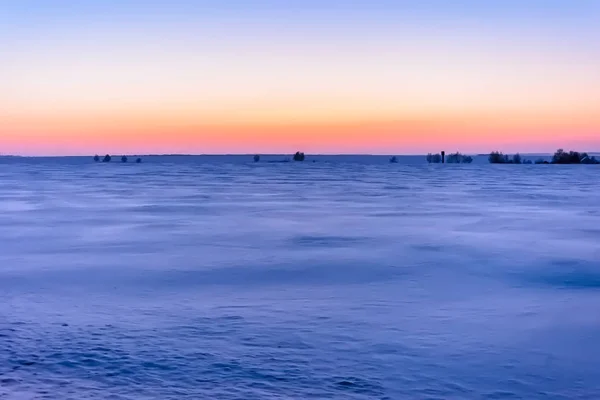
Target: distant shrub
(590, 160)
(457, 158)
(434, 158)
(139, 161)
(572, 157)
(394, 160)
(299, 156)
(256, 158)
(497, 157)
(124, 159)
(97, 158)
(562, 157)
(453, 158)
(107, 158)
(517, 159)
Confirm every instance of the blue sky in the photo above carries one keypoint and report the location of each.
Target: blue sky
(528, 68)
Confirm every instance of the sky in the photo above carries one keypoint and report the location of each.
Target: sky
(321, 76)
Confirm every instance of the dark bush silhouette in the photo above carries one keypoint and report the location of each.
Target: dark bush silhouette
(124, 159)
(139, 161)
(517, 159)
(457, 158)
(572, 157)
(453, 158)
(434, 158)
(299, 156)
(256, 158)
(562, 157)
(107, 158)
(589, 160)
(394, 160)
(497, 157)
(97, 158)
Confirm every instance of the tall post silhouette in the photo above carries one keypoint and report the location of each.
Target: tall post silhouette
(443, 157)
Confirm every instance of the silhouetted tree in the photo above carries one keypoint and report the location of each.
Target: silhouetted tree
(453, 158)
(572, 157)
(527, 162)
(394, 160)
(434, 158)
(299, 156)
(517, 159)
(497, 157)
(457, 158)
(256, 158)
(107, 158)
(124, 159)
(97, 158)
(139, 161)
(562, 157)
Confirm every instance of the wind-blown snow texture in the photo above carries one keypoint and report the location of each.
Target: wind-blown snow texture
(232, 280)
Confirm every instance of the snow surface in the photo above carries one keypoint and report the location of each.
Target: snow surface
(346, 278)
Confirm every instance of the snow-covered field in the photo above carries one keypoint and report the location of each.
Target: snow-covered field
(208, 279)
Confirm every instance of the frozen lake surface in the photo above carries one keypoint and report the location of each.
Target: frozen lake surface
(204, 279)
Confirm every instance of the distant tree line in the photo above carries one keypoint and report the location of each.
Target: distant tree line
(107, 158)
(497, 157)
(559, 157)
(298, 156)
(573, 157)
(434, 158)
(457, 158)
(453, 158)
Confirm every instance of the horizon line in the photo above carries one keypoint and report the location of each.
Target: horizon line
(476, 154)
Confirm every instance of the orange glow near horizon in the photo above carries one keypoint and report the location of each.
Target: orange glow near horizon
(130, 134)
(176, 79)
